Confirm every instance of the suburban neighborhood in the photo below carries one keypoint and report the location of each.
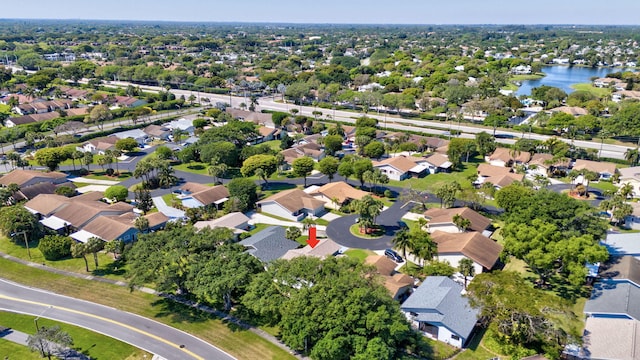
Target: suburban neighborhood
(284, 192)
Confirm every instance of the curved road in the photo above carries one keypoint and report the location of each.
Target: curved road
(146, 334)
(338, 229)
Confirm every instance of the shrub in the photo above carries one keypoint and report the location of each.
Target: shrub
(65, 191)
(388, 193)
(55, 247)
(83, 172)
(117, 192)
(110, 172)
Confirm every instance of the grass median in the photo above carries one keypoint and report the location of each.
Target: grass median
(240, 343)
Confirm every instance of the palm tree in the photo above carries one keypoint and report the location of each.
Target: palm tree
(402, 241)
(424, 247)
(217, 171)
(626, 190)
(465, 266)
(632, 156)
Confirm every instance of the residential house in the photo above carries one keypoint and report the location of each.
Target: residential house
(31, 191)
(571, 110)
(312, 150)
(439, 310)
(620, 269)
(442, 220)
(266, 134)
(44, 205)
(25, 178)
(497, 175)
(324, 249)
(507, 158)
(631, 175)
(157, 132)
(136, 134)
(181, 124)
(337, 194)
(236, 221)
(401, 167)
(437, 163)
(99, 145)
(195, 195)
(544, 164)
(610, 338)
(622, 244)
(109, 228)
(606, 170)
(29, 119)
(259, 118)
(607, 82)
(632, 221)
(399, 285)
(625, 94)
(454, 247)
(430, 143)
(75, 94)
(157, 221)
(292, 204)
(269, 244)
(614, 300)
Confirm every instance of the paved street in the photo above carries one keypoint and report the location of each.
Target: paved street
(146, 334)
(338, 230)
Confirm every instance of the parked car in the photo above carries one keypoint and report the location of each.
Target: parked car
(393, 255)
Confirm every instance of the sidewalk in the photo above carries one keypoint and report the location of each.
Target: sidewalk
(21, 338)
(93, 181)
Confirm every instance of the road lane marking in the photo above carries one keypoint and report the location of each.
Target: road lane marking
(107, 320)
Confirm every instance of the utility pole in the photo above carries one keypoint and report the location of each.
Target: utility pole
(26, 241)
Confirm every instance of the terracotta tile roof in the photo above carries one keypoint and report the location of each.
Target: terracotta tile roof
(294, 200)
(20, 177)
(597, 166)
(473, 245)
(341, 191)
(505, 155)
(439, 216)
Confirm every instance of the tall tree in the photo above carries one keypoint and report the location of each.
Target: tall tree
(329, 166)
(267, 165)
(48, 340)
(466, 268)
(303, 166)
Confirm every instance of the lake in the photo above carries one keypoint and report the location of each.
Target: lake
(564, 76)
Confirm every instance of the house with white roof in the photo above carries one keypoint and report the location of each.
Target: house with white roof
(181, 124)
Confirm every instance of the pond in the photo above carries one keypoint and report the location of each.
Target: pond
(564, 76)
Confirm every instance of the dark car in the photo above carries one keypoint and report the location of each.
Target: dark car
(393, 255)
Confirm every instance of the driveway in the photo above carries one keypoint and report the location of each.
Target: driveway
(338, 229)
(169, 211)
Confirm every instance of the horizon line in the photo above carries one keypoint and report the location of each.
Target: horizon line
(315, 23)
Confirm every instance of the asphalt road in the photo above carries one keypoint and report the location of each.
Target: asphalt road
(435, 127)
(146, 334)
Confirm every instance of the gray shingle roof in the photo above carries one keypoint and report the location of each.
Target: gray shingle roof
(614, 299)
(269, 244)
(439, 300)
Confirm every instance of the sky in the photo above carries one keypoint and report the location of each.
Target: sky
(596, 12)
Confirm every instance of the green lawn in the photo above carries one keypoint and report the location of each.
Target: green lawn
(535, 76)
(598, 92)
(87, 342)
(239, 343)
(169, 198)
(102, 175)
(359, 254)
(355, 230)
(11, 350)
(107, 268)
(603, 185)
(194, 167)
(273, 144)
(477, 350)
(432, 182)
(258, 227)
(275, 188)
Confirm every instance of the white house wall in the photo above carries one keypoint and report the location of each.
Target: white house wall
(445, 334)
(274, 208)
(454, 260)
(392, 173)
